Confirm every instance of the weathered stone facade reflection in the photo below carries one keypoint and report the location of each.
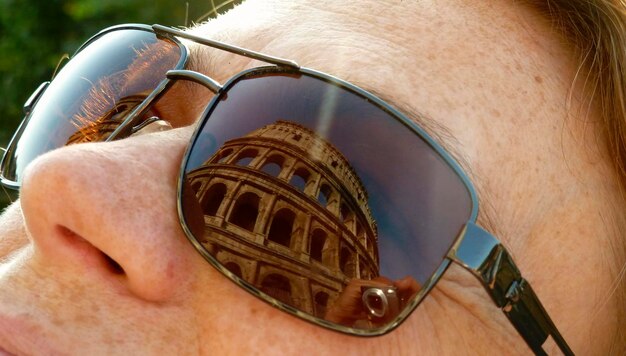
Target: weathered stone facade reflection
(285, 211)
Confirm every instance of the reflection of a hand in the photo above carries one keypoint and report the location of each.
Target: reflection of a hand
(348, 308)
(407, 288)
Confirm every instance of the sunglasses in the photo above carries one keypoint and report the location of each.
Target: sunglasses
(309, 192)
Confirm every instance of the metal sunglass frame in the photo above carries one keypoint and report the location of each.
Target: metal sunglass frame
(474, 249)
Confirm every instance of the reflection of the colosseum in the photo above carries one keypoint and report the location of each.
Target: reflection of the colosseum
(285, 211)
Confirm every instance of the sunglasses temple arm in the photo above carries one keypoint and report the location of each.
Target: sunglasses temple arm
(484, 256)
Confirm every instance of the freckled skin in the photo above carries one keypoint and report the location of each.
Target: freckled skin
(492, 73)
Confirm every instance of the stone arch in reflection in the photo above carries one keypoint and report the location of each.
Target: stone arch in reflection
(234, 268)
(213, 199)
(282, 227)
(277, 286)
(285, 211)
(320, 304)
(245, 211)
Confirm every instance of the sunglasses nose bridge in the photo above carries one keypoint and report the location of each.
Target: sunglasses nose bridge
(195, 77)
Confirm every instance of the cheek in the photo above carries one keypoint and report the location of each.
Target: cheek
(12, 233)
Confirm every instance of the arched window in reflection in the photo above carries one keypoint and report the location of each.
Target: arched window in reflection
(245, 211)
(224, 155)
(300, 178)
(359, 229)
(370, 246)
(324, 196)
(196, 186)
(345, 214)
(213, 199)
(272, 169)
(346, 262)
(318, 241)
(273, 165)
(363, 273)
(282, 227)
(234, 268)
(246, 157)
(321, 303)
(277, 286)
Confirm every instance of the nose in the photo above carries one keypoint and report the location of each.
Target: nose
(108, 211)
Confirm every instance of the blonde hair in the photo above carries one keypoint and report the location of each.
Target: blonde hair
(597, 30)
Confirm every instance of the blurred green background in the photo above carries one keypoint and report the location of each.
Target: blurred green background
(35, 34)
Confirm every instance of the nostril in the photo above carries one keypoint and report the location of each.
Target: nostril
(73, 238)
(114, 266)
(88, 250)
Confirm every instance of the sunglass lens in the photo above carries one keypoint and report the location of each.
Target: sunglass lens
(91, 94)
(310, 193)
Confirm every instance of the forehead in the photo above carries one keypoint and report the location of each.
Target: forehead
(406, 43)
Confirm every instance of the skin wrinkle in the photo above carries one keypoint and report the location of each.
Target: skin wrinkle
(437, 305)
(456, 287)
(435, 301)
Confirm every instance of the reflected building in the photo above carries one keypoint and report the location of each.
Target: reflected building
(92, 132)
(88, 129)
(285, 211)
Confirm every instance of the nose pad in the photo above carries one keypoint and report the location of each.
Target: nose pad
(109, 210)
(151, 125)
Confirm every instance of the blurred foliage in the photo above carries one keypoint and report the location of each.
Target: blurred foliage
(34, 35)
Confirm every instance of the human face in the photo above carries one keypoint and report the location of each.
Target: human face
(484, 78)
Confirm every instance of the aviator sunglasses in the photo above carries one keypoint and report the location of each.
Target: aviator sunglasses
(311, 193)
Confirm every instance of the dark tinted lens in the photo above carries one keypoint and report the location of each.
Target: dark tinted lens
(89, 97)
(317, 197)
